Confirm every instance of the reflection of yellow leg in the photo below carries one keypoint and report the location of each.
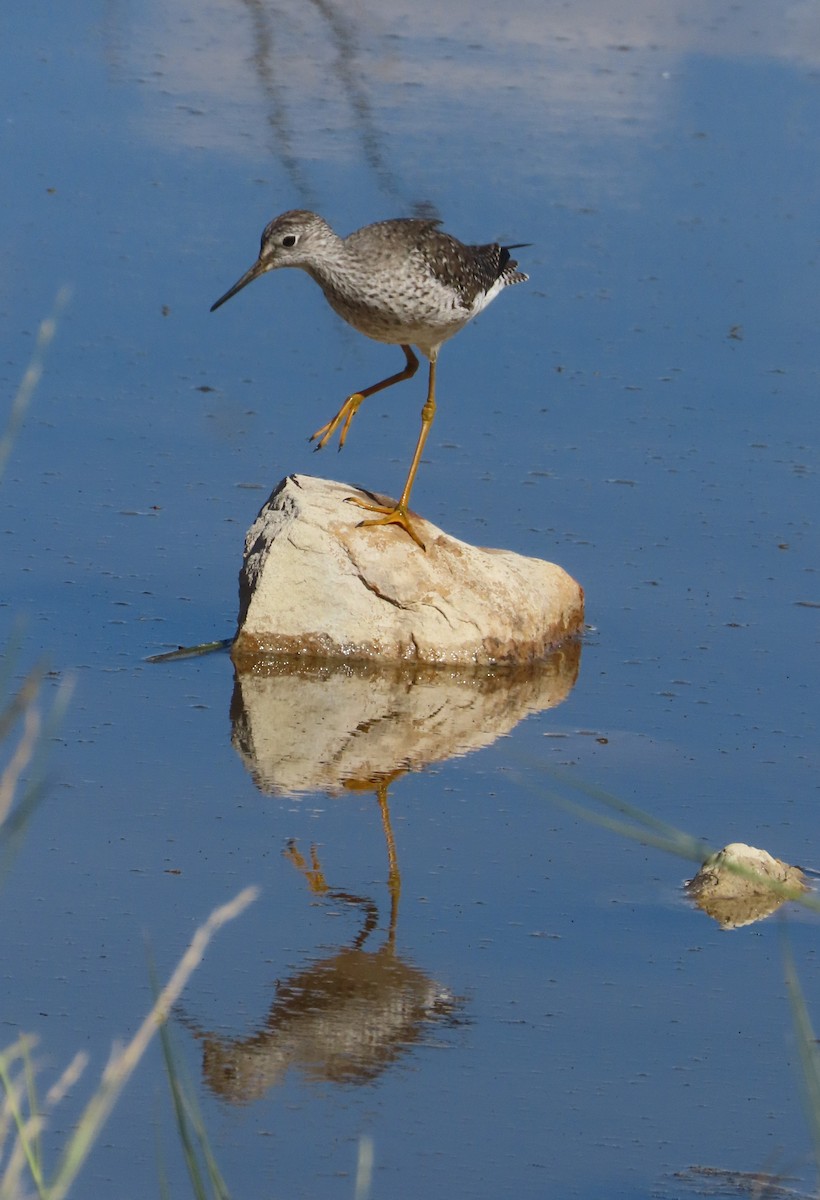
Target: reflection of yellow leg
(313, 874)
(351, 405)
(381, 785)
(398, 514)
(393, 877)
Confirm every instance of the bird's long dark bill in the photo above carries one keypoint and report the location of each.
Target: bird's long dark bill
(256, 270)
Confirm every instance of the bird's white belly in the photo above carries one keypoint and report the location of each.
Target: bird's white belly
(420, 318)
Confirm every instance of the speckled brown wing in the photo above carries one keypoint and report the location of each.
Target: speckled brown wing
(471, 271)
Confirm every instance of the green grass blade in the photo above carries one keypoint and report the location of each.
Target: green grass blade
(807, 1050)
(642, 827)
(191, 1128)
(26, 1143)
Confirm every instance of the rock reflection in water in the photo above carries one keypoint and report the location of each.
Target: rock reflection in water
(342, 1019)
(317, 727)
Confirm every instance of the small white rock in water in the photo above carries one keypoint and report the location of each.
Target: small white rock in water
(314, 584)
(741, 884)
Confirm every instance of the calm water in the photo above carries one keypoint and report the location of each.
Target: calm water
(525, 1005)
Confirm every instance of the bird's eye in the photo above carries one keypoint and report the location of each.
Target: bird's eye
(289, 239)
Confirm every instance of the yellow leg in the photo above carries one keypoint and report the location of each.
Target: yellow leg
(398, 514)
(351, 405)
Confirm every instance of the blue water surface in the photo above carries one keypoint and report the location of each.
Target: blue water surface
(643, 411)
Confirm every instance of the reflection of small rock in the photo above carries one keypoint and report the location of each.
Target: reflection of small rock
(741, 884)
(716, 1181)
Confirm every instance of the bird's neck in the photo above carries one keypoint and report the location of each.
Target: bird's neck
(337, 272)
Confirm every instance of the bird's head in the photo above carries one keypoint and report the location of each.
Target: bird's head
(294, 239)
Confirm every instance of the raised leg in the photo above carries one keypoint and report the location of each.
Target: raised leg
(398, 514)
(351, 405)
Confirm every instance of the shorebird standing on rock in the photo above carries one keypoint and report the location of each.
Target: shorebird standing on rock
(404, 282)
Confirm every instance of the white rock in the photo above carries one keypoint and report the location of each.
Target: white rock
(741, 884)
(314, 584)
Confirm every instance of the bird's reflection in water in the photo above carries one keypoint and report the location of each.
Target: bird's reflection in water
(343, 1019)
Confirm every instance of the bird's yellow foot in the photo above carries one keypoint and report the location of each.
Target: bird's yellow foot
(346, 413)
(395, 514)
(313, 873)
